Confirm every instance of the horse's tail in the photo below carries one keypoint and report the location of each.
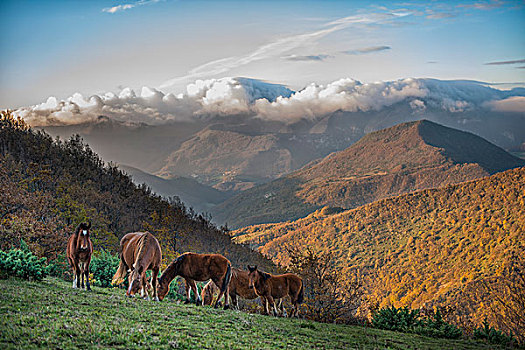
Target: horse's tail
(119, 276)
(300, 297)
(227, 278)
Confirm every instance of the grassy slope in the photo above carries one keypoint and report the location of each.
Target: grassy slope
(52, 315)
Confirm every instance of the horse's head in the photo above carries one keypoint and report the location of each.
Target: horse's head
(207, 294)
(136, 283)
(83, 236)
(253, 276)
(163, 287)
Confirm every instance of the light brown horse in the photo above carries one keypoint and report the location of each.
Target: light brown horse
(78, 252)
(198, 267)
(270, 287)
(139, 252)
(239, 286)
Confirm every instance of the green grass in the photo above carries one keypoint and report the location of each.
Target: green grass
(50, 314)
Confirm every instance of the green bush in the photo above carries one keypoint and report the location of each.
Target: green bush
(434, 326)
(103, 266)
(411, 321)
(59, 267)
(492, 335)
(393, 319)
(22, 264)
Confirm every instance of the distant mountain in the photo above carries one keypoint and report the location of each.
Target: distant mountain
(193, 194)
(436, 247)
(393, 161)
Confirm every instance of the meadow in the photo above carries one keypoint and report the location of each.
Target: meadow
(50, 314)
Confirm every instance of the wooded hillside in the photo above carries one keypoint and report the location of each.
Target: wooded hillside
(48, 186)
(459, 247)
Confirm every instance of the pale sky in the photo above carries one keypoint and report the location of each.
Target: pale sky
(58, 48)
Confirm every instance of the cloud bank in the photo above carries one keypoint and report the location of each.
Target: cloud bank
(231, 96)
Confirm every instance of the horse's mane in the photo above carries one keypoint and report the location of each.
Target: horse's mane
(172, 269)
(144, 241)
(264, 275)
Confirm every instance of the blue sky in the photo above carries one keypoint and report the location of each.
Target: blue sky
(57, 48)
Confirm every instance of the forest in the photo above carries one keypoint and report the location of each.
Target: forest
(48, 186)
(457, 248)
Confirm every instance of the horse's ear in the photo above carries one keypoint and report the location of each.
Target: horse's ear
(89, 225)
(255, 268)
(251, 269)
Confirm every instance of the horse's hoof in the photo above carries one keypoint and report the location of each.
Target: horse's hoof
(156, 299)
(226, 307)
(187, 301)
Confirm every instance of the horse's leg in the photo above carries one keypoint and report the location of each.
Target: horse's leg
(187, 286)
(74, 274)
(86, 269)
(77, 274)
(217, 302)
(155, 275)
(198, 300)
(235, 301)
(266, 309)
(272, 304)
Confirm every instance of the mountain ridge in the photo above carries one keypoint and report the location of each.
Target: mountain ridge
(384, 163)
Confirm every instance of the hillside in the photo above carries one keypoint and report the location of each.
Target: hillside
(51, 315)
(432, 247)
(192, 193)
(401, 159)
(47, 187)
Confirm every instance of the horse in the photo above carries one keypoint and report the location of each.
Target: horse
(79, 250)
(270, 287)
(198, 267)
(238, 287)
(139, 252)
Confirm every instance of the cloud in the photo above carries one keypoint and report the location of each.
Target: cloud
(366, 50)
(497, 63)
(320, 57)
(440, 15)
(125, 7)
(231, 96)
(484, 5)
(512, 104)
(283, 45)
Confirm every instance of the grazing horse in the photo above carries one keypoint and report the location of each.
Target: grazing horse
(198, 267)
(270, 287)
(79, 251)
(139, 252)
(239, 286)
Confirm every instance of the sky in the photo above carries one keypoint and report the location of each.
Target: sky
(59, 48)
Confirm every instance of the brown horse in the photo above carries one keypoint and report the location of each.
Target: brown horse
(78, 252)
(239, 286)
(139, 252)
(270, 287)
(198, 267)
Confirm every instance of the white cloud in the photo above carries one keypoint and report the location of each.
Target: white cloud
(124, 7)
(512, 104)
(230, 96)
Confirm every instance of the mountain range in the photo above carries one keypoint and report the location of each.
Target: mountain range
(401, 159)
(236, 133)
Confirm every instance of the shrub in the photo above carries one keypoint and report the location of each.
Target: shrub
(22, 264)
(103, 266)
(492, 335)
(58, 267)
(411, 321)
(393, 319)
(434, 326)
